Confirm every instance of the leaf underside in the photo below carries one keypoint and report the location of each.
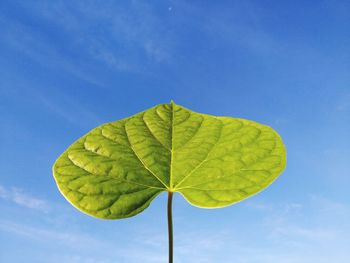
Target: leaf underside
(116, 169)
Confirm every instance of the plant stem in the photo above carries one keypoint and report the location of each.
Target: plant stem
(170, 226)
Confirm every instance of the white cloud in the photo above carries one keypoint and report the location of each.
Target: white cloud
(70, 110)
(76, 258)
(79, 247)
(20, 197)
(315, 229)
(117, 35)
(290, 232)
(293, 232)
(3, 192)
(343, 104)
(46, 235)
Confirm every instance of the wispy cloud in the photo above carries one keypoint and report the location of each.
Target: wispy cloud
(33, 44)
(21, 198)
(69, 110)
(42, 234)
(238, 25)
(76, 258)
(140, 28)
(293, 232)
(343, 104)
(113, 35)
(290, 232)
(79, 247)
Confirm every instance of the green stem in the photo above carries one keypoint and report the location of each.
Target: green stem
(170, 226)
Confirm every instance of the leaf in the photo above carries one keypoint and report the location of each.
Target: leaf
(118, 168)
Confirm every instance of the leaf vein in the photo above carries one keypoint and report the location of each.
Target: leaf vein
(194, 134)
(205, 159)
(138, 157)
(148, 128)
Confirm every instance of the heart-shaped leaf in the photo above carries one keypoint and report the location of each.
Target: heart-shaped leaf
(116, 169)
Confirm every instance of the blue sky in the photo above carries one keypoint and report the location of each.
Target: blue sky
(67, 67)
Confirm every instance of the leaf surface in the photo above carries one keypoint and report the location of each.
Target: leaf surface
(118, 168)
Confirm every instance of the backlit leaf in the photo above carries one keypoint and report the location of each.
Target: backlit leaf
(116, 169)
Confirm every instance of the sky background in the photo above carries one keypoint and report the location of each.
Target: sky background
(69, 66)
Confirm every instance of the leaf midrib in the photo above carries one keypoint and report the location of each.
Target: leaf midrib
(171, 147)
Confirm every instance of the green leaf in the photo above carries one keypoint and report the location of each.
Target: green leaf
(116, 169)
